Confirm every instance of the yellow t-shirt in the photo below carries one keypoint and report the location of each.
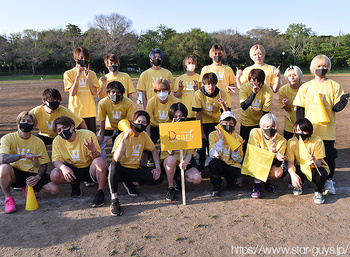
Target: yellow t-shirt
(113, 113)
(289, 117)
(306, 97)
(158, 111)
(83, 103)
(165, 154)
(257, 138)
(134, 146)
(148, 77)
(123, 78)
(74, 153)
(270, 77)
(45, 120)
(187, 92)
(209, 106)
(214, 137)
(314, 143)
(225, 76)
(12, 143)
(261, 103)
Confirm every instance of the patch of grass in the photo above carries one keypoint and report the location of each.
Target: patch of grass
(144, 236)
(177, 238)
(131, 227)
(211, 216)
(133, 252)
(113, 252)
(71, 248)
(196, 225)
(244, 215)
(31, 77)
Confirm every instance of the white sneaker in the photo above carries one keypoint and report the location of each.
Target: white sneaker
(318, 198)
(297, 190)
(89, 184)
(329, 187)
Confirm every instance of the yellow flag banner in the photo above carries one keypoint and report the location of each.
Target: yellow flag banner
(180, 135)
(304, 160)
(257, 162)
(230, 140)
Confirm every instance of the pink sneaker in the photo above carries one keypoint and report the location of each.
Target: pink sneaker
(10, 204)
(25, 190)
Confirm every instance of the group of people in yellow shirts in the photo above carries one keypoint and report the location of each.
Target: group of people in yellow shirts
(79, 155)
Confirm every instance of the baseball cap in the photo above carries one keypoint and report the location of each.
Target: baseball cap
(227, 114)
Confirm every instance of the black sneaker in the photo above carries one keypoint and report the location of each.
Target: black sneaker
(115, 208)
(170, 195)
(130, 188)
(216, 191)
(269, 187)
(177, 184)
(75, 190)
(99, 199)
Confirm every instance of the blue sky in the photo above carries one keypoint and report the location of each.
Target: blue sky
(323, 17)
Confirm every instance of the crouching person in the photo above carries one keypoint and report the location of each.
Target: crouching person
(76, 157)
(19, 151)
(127, 152)
(171, 161)
(266, 137)
(224, 161)
(314, 145)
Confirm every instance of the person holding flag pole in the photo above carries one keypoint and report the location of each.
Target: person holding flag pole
(305, 156)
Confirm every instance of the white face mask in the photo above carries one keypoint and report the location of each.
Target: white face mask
(190, 67)
(163, 95)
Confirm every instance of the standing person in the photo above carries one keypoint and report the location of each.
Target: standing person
(150, 76)
(272, 75)
(112, 63)
(207, 102)
(333, 99)
(18, 153)
(224, 160)
(319, 168)
(82, 84)
(51, 110)
(171, 162)
(76, 158)
(256, 100)
(187, 84)
(287, 93)
(224, 73)
(113, 108)
(266, 137)
(127, 151)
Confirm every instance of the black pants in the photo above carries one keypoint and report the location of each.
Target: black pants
(245, 132)
(208, 128)
(118, 173)
(316, 178)
(219, 168)
(331, 155)
(46, 140)
(91, 123)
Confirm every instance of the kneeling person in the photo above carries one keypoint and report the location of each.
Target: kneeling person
(224, 161)
(171, 161)
(19, 151)
(76, 157)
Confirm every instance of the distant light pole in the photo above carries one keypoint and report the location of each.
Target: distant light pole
(283, 53)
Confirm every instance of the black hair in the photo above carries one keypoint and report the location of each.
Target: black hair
(115, 85)
(177, 106)
(51, 92)
(209, 78)
(304, 125)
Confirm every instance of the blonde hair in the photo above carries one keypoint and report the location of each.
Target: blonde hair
(256, 47)
(31, 115)
(213, 50)
(158, 85)
(297, 71)
(320, 59)
(268, 120)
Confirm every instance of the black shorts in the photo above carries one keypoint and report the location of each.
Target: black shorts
(82, 174)
(178, 170)
(46, 140)
(21, 177)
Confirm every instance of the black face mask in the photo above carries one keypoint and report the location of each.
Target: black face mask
(66, 134)
(26, 127)
(321, 72)
(270, 132)
(217, 58)
(156, 62)
(303, 136)
(228, 128)
(139, 127)
(115, 98)
(180, 119)
(81, 62)
(113, 68)
(53, 105)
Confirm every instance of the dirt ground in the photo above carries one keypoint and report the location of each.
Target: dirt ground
(232, 225)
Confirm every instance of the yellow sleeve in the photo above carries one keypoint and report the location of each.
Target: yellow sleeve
(244, 93)
(196, 103)
(149, 146)
(131, 110)
(268, 101)
(300, 97)
(94, 80)
(56, 153)
(68, 80)
(141, 85)
(130, 85)
(117, 142)
(41, 150)
(212, 140)
(290, 153)
(339, 91)
(101, 112)
(281, 145)
(281, 92)
(320, 151)
(254, 138)
(5, 147)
